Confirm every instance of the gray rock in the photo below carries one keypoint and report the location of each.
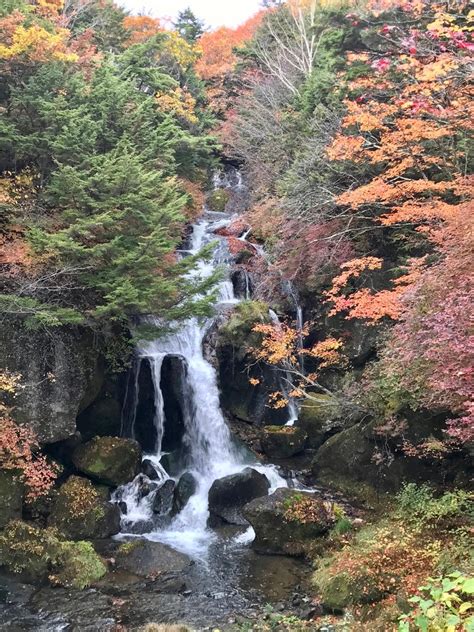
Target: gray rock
(281, 442)
(150, 559)
(229, 494)
(61, 371)
(149, 470)
(163, 501)
(185, 488)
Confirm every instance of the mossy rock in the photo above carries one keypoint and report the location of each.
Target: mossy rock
(340, 590)
(237, 331)
(150, 559)
(109, 460)
(281, 442)
(217, 200)
(41, 554)
(11, 497)
(80, 511)
(320, 417)
(287, 521)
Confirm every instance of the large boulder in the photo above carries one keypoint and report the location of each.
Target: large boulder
(229, 494)
(81, 512)
(287, 520)
(41, 554)
(109, 460)
(282, 442)
(62, 374)
(11, 497)
(150, 559)
(362, 462)
(186, 487)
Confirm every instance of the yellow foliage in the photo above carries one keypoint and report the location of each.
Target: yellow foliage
(38, 44)
(178, 102)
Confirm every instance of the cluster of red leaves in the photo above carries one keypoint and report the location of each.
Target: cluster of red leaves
(19, 452)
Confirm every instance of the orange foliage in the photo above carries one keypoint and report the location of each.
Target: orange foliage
(141, 28)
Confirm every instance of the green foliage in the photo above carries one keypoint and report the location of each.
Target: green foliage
(217, 200)
(189, 26)
(419, 507)
(106, 209)
(79, 565)
(445, 604)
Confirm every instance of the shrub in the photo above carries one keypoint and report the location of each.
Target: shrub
(444, 605)
(418, 506)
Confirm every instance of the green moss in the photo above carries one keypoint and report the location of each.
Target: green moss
(42, 554)
(237, 331)
(217, 200)
(128, 547)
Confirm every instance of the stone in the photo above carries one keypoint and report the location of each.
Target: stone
(346, 461)
(282, 442)
(149, 470)
(80, 512)
(341, 590)
(287, 520)
(163, 500)
(11, 497)
(172, 462)
(229, 494)
(186, 487)
(62, 374)
(150, 559)
(40, 554)
(320, 417)
(109, 460)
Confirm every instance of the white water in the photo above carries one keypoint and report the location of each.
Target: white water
(211, 453)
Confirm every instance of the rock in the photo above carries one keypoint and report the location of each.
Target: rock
(150, 559)
(164, 497)
(11, 498)
(61, 375)
(217, 200)
(346, 461)
(281, 442)
(101, 418)
(80, 512)
(109, 460)
(343, 589)
(286, 520)
(145, 486)
(172, 462)
(39, 554)
(229, 494)
(186, 487)
(320, 417)
(149, 470)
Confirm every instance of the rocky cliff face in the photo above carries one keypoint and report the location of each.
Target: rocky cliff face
(61, 374)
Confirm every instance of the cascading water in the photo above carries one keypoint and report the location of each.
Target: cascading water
(207, 442)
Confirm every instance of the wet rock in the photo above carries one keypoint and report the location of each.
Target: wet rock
(281, 442)
(172, 462)
(185, 488)
(109, 460)
(150, 559)
(163, 501)
(80, 512)
(285, 521)
(149, 470)
(229, 494)
(11, 498)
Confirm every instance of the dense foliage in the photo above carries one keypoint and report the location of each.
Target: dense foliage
(356, 131)
(103, 131)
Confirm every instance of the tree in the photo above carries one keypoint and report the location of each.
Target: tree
(189, 26)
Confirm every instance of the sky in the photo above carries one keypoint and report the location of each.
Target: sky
(214, 12)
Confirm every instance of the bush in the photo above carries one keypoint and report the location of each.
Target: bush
(418, 506)
(443, 606)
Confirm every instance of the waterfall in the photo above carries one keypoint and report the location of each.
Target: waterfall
(210, 453)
